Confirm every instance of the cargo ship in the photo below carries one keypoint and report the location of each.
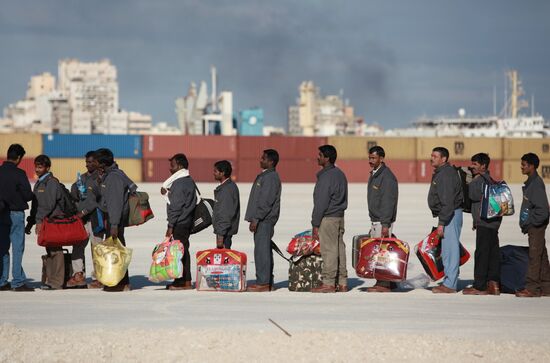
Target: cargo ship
(509, 123)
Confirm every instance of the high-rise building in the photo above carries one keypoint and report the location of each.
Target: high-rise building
(91, 87)
(40, 85)
(322, 116)
(139, 124)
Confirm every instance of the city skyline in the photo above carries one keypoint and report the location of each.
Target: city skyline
(395, 62)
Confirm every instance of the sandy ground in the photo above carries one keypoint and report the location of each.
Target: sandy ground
(150, 323)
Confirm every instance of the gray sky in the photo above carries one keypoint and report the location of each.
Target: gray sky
(395, 60)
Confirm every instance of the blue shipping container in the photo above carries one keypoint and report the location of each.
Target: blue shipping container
(76, 146)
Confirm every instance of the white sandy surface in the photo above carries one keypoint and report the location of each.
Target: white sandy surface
(152, 324)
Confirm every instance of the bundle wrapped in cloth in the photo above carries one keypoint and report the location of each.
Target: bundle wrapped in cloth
(303, 244)
(111, 261)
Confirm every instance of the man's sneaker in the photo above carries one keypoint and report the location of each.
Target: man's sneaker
(77, 281)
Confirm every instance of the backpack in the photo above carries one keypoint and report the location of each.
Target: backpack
(67, 204)
(465, 176)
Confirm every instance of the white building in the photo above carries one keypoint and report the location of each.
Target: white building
(91, 87)
(139, 124)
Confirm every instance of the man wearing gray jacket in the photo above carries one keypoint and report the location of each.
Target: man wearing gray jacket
(487, 254)
(115, 187)
(262, 212)
(182, 198)
(330, 200)
(382, 202)
(227, 208)
(445, 201)
(533, 220)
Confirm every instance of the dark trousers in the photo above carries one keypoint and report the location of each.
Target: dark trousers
(263, 255)
(227, 242)
(538, 272)
(182, 232)
(126, 279)
(487, 257)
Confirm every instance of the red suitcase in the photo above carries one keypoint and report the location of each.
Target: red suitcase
(384, 259)
(428, 252)
(221, 270)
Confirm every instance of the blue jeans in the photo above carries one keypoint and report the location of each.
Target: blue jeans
(450, 250)
(16, 238)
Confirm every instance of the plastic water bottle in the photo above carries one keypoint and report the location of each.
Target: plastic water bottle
(80, 185)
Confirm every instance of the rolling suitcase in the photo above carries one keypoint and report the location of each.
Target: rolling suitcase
(68, 264)
(428, 252)
(383, 259)
(221, 270)
(514, 261)
(305, 273)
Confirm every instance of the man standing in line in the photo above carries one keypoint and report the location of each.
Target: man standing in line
(487, 255)
(330, 200)
(533, 219)
(382, 202)
(15, 192)
(86, 191)
(115, 187)
(227, 208)
(182, 199)
(445, 201)
(262, 212)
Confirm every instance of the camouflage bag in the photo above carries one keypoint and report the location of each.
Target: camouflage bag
(305, 273)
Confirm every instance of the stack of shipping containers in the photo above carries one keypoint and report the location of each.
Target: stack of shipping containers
(32, 143)
(353, 155)
(514, 149)
(67, 153)
(201, 151)
(461, 150)
(298, 157)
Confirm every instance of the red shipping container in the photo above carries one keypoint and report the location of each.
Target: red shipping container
(157, 170)
(358, 171)
(424, 170)
(27, 164)
(290, 171)
(193, 146)
(289, 147)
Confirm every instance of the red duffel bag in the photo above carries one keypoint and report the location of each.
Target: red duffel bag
(61, 231)
(428, 252)
(383, 259)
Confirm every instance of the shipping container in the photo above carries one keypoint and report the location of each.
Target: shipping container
(460, 148)
(357, 147)
(514, 149)
(290, 171)
(193, 146)
(76, 146)
(201, 170)
(512, 172)
(32, 143)
(358, 171)
(66, 169)
(27, 165)
(424, 170)
(289, 147)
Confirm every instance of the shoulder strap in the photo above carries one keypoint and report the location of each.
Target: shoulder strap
(276, 248)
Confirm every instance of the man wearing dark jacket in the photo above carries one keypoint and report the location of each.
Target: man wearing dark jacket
(382, 202)
(86, 191)
(15, 192)
(445, 201)
(533, 220)
(46, 203)
(262, 212)
(227, 208)
(330, 200)
(487, 254)
(182, 197)
(115, 187)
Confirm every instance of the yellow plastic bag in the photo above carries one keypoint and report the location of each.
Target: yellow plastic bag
(111, 261)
